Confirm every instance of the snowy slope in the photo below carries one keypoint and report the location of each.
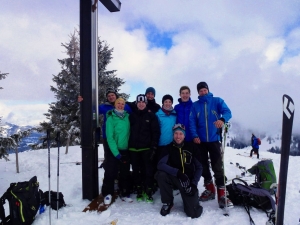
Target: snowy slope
(35, 163)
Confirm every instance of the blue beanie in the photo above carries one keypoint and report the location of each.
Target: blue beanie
(150, 89)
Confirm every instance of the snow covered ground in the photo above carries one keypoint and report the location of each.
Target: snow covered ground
(35, 163)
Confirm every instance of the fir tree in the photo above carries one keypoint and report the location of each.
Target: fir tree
(64, 114)
(2, 76)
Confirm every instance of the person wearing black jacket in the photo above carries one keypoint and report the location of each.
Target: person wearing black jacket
(151, 105)
(143, 141)
(180, 168)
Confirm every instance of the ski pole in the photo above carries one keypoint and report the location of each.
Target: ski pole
(223, 153)
(57, 139)
(48, 144)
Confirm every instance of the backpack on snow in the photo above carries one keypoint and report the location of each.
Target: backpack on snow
(258, 141)
(240, 193)
(24, 200)
(265, 176)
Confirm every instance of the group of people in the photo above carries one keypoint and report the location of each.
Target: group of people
(166, 146)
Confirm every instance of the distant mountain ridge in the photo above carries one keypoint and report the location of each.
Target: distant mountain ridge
(10, 129)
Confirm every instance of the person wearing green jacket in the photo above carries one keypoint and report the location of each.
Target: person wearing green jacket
(117, 134)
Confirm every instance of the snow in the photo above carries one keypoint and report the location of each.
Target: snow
(70, 184)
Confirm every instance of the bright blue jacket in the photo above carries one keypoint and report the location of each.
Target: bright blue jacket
(255, 143)
(183, 110)
(204, 113)
(103, 109)
(166, 123)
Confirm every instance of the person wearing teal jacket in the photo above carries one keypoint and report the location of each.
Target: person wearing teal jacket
(167, 119)
(117, 159)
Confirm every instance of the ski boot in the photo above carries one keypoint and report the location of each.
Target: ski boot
(209, 193)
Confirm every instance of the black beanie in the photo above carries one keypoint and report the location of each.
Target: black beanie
(167, 97)
(202, 85)
(141, 98)
(111, 90)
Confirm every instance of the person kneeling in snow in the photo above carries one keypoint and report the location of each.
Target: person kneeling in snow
(179, 168)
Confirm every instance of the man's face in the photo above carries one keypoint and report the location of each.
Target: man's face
(150, 96)
(120, 105)
(203, 91)
(178, 136)
(185, 95)
(167, 103)
(141, 105)
(111, 97)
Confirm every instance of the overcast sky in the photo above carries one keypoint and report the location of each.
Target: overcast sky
(247, 51)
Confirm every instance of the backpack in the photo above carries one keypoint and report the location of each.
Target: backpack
(240, 193)
(265, 176)
(24, 202)
(258, 141)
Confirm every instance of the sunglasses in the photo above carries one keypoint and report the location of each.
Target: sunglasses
(179, 125)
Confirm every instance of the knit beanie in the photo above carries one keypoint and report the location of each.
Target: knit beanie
(119, 100)
(167, 97)
(202, 85)
(111, 90)
(141, 98)
(150, 89)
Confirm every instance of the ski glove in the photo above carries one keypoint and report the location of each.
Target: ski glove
(183, 179)
(191, 190)
(124, 159)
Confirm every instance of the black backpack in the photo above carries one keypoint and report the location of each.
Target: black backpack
(24, 202)
(240, 193)
(56, 203)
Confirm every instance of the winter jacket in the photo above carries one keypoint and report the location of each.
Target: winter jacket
(144, 130)
(255, 142)
(153, 106)
(117, 132)
(166, 123)
(185, 158)
(204, 113)
(183, 110)
(103, 109)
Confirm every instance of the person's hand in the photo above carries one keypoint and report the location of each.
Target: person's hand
(80, 98)
(219, 123)
(191, 190)
(183, 179)
(124, 159)
(196, 140)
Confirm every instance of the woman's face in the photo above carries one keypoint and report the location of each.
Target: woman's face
(120, 105)
(168, 103)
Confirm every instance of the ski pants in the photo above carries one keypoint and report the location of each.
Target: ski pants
(142, 168)
(213, 150)
(167, 183)
(255, 150)
(113, 167)
(106, 149)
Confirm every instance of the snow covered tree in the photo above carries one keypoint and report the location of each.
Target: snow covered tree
(2, 76)
(64, 114)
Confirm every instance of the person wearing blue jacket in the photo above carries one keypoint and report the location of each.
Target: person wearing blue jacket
(207, 118)
(111, 97)
(255, 146)
(183, 110)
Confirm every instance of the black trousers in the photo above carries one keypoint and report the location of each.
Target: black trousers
(142, 168)
(256, 151)
(213, 150)
(166, 183)
(113, 167)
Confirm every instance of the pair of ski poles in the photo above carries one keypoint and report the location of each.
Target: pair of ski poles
(57, 139)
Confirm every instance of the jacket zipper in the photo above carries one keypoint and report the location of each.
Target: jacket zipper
(206, 123)
(182, 163)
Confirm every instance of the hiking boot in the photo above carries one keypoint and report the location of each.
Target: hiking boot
(107, 200)
(166, 208)
(148, 195)
(209, 192)
(139, 197)
(223, 200)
